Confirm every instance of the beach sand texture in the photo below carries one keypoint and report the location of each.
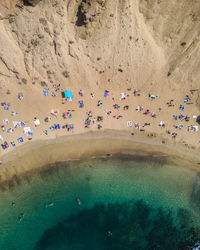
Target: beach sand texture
(119, 46)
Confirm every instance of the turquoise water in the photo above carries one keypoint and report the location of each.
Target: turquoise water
(125, 203)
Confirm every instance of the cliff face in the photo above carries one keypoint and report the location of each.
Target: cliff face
(6, 7)
(99, 42)
(175, 25)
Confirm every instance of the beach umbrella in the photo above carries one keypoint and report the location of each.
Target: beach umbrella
(68, 94)
(198, 119)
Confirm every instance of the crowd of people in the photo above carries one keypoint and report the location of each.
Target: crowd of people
(118, 109)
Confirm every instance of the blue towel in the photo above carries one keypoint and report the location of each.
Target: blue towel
(52, 128)
(20, 139)
(46, 92)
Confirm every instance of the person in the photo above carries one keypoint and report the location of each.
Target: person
(126, 107)
(94, 120)
(99, 126)
(109, 233)
(78, 201)
(3, 128)
(162, 124)
(146, 112)
(21, 216)
(50, 204)
(81, 92)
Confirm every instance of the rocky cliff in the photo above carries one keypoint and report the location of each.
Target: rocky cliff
(99, 42)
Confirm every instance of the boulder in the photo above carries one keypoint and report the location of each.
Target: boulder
(31, 2)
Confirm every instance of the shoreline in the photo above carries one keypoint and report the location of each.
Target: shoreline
(37, 154)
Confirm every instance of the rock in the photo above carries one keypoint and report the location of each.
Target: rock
(31, 2)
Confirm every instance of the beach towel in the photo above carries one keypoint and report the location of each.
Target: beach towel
(175, 117)
(162, 124)
(106, 93)
(53, 94)
(52, 128)
(81, 92)
(5, 121)
(46, 132)
(20, 140)
(5, 145)
(27, 130)
(100, 103)
(10, 130)
(20, 96)
(122, 96)
(55, 126)
(81, 103)
(54, 112)
(37, 122)
(152, 97)
(45, 92)
(68, 94)
(195, 128)
(129, 123)
(14, 113)
(16, 124)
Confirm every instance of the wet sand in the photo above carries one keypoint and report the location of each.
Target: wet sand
(37, 154)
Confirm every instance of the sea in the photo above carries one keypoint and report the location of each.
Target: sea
(118, 202)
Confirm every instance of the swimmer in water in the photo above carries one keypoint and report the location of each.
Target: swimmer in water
(13, 204)
(21, 216)
(109, 233)
(51, 204)
(78, 201)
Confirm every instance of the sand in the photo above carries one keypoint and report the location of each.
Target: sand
(34, 155)
(115, 46)
(82, 142)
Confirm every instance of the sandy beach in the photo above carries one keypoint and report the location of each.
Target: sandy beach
(134, 84)
(97, 122)
(110, 121)
(34, 155)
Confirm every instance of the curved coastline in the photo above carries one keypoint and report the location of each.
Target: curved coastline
(37, 154)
